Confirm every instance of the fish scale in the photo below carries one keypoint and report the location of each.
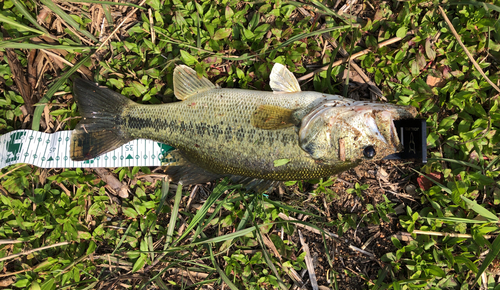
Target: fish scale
(222, 138)
(241, 133)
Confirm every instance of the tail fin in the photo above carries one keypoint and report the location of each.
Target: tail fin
(101, 127)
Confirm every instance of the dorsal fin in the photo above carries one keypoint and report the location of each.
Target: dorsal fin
(282, 80)
(187, 83)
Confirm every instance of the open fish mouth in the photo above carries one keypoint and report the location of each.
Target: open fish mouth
(351, 128)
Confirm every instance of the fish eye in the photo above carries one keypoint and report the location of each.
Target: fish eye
(369, 152)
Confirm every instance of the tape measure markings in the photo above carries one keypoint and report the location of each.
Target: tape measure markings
(52, 151)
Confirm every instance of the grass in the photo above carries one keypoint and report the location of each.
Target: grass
(63, 229)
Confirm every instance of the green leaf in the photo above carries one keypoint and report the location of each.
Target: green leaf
(91, 248)
(480, 210)
(288, 208)
(457, 220)
(431, 54)
(15, 23)
(432, 138)
(141, 261)
(49, 284)
(188, 59)
(173, 216)
(164, 192)
(493, 253)
(222, 274)
(401, 32)
(435, 271)
(130, 212)
(222, 33)
(463, 163)
(481, 179)
(20, 6)
(447, 123)
(111, 3)
(281, 162)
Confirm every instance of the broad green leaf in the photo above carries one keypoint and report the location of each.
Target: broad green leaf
(188, 59)
(481, 179)
(435, 271)
(222, 33)
(130, 212)
(447, 123)
(401, 32)
(141, 261)
(281, 162)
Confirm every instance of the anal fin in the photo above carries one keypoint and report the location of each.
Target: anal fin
(179, 169)
(254, 184)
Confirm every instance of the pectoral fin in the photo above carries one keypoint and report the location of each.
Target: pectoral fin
(187, 83)
(268, 117)
(282, 80)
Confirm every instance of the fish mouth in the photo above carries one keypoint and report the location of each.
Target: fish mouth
(385, 128)
(369, 126)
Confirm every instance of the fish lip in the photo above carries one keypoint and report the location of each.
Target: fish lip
(399, 113)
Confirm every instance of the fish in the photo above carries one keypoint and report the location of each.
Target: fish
(257, 138)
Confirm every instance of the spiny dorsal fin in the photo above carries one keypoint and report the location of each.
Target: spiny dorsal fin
(187, 83)
(268, 117)
(282, 80)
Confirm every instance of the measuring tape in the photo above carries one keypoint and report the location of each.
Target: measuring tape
(52, 151)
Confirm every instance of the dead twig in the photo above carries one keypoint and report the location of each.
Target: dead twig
(309, 263)
(20, 79)
(311, 229)
(8, 242)
(119, 25)
(453, 235)
(24, 253)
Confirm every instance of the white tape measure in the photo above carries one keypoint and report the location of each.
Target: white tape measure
(52, 151)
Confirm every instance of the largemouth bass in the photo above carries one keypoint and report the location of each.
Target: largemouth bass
(257, 137)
